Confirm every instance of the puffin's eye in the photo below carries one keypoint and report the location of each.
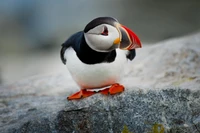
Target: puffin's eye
(105, 31)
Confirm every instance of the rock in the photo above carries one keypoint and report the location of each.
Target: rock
(162, 93)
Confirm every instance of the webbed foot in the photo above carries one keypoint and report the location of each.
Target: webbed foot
(114, 89)
(81, 94)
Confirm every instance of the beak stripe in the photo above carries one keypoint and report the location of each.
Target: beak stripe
(134, 40)
(125, 40)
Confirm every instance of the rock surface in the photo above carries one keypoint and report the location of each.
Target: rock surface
(162, 91)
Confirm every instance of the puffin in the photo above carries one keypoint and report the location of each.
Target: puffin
(96, 57)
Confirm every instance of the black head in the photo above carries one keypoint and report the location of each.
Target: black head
(99, 21)
(105, 34)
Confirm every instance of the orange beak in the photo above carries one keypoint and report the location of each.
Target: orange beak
(129, 40)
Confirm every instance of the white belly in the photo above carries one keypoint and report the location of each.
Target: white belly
(97, 75)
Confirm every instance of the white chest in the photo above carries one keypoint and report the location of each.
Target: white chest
(97, 75)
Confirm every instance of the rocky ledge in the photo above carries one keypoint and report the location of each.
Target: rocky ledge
(162, 95)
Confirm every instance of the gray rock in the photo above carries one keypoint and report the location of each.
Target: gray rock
(162, 91)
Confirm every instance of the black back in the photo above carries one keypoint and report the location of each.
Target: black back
(84, 52)
(99, 21)
(88, 55)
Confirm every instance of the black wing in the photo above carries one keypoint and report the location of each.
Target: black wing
(65, 46)
(71, 42)
(131, 54)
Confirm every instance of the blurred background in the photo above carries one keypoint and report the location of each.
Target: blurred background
(31, 31)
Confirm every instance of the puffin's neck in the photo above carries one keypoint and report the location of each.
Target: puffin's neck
(89, 56)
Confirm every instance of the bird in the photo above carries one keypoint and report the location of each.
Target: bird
(96, 56)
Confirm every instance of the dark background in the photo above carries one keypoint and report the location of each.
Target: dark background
(31, 31)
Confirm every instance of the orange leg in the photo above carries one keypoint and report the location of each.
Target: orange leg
(81, 94)
(114, 89)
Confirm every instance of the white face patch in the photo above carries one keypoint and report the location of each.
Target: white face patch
(99, 42)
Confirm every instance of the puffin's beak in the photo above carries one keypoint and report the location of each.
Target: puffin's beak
(129, 39)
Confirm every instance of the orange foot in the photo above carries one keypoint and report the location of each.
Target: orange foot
(114, 89)
(81, 94)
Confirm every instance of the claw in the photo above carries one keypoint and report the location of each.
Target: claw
(81, 94)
